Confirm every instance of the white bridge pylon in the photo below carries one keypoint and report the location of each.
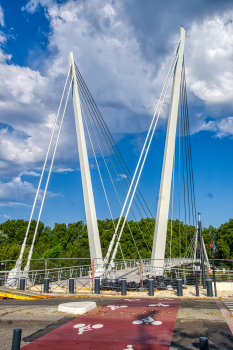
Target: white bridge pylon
(91, 218)
(159, 243)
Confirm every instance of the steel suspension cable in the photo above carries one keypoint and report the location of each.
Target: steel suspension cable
(106, 197)
(19, 261)
(183, 157)
(107, 141)
(179, 179)
(112, 163)
(190, 157)
(186, 149)
(165, 88)
(113, 239)
(26, 269)
(111, 139)
(173, 180)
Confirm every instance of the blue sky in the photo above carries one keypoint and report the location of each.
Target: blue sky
(123, 50)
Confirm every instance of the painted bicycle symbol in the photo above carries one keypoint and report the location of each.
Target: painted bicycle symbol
(148, 320)
(85, 328)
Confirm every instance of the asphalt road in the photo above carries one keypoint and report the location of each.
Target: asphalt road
(195, 318)
(201, 318)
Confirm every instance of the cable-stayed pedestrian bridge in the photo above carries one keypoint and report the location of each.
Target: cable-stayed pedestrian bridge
(110, 163)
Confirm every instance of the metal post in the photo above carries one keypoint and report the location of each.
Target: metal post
(212, 254)
(159, 242)
(209, 287)
(16, 339)
(184, 274)
(93, 272)
(151, 287)
(97, 285)
(92, 227)
(71, 285)
(197, 284)
(46, 266)
(46, 285)
(141, 278)
(201, 251)
(179, 287)
(22, 283)
(204, 343)
(123, 286)
(0, 282)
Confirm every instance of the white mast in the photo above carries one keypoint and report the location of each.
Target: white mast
(92, 227)
(158, 250)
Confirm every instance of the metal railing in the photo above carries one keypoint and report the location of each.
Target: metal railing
(136, 272)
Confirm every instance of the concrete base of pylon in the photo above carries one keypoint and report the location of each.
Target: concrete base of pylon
(14, 278)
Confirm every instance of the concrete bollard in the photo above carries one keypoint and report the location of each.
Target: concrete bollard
(151, 287)
(204, 343)
(123, 286)
(46, 285)
(197, 285)
(16, 339)
(71, 285)
(22, 283)
(179, 287)
(209, 287)
(97, 285)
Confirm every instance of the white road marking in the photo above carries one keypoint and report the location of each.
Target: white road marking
(114, 307)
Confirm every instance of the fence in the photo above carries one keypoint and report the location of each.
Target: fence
(136, 273)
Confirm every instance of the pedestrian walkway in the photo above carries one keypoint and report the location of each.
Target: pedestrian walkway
(135, 324)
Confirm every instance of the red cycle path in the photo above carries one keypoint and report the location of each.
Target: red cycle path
(136, 324)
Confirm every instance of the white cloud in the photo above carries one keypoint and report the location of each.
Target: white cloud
(223, 128)
(209, 60)
(64, 170)
(29, 173)
(121, 177)
(123, 82)
(6, 216)
(99, 33)
(18, 192)
(2, 17)
(33, 5)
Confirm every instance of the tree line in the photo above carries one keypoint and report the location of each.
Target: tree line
(71, 241)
